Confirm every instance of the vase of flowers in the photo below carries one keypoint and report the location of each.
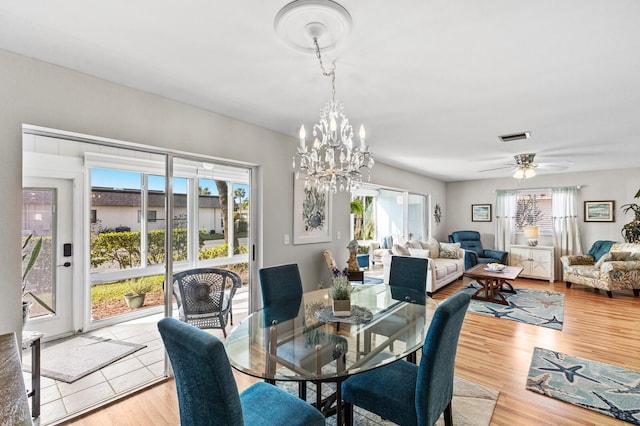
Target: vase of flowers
(341, 293)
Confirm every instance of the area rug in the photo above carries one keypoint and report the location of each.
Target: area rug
(372, 280)
(473, 404)
(607, 389)
(79, 356)
(538, 307)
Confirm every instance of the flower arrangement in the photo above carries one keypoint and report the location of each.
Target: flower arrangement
(341, 289)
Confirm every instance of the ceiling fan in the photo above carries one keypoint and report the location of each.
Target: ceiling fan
(525, 168)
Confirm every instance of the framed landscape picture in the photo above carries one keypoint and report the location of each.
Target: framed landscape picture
(311, 214)
(598, 211)
(481, 212)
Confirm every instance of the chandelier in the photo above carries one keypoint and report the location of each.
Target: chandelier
(334, 160)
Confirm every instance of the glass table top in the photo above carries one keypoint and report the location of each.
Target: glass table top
(301, 340)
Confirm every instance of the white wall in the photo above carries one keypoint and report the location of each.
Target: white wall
(45, 95)
(617, 185)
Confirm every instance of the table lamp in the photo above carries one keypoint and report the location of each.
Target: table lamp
(531, 233)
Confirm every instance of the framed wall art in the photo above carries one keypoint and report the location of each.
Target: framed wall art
(598, 211)
(311, 214)
(481, 212)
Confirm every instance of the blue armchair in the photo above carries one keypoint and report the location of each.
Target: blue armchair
(409, 394)
(473, 251)
(207, 390)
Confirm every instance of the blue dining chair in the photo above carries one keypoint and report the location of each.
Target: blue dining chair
(409, 394)
(281, 288)
(207, 391)
(410, 272)
(405, 272)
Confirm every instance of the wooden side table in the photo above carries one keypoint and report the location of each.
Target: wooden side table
(356, 275)
(32, 339)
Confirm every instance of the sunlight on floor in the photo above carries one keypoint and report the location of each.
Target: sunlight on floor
(61, 400)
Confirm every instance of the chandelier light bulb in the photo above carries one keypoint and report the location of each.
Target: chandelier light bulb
(303, 135)
(362, 135)
(333, 125)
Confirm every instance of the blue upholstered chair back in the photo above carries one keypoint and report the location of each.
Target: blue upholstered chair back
(207, 391)
(469, 240)
(434, 386)
(410, 272)
(281, 288)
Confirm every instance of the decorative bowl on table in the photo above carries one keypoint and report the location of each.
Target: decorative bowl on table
(496, 267)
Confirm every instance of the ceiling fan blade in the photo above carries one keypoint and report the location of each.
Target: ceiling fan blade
(497, 168)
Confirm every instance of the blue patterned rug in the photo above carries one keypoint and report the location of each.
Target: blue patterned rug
(607, 389)
(538, 307)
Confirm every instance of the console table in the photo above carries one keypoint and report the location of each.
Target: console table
(536, 262)
(14, 406)
(32, 339)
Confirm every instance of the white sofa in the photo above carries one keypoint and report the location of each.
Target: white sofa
(442, 271)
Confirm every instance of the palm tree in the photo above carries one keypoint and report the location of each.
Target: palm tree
(224, 203)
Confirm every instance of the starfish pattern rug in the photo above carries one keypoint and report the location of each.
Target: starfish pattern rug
(538, 307)
(605, 388)
(472, 404)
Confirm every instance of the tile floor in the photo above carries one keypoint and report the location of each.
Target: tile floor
(60, 400)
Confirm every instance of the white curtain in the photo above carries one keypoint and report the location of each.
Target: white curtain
(566, 234)
(506, 201)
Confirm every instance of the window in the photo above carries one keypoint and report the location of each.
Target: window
(534, 208)
(94, 216)
(151, 215)
(390, 212)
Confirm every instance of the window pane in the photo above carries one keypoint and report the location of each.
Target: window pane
(115, 235)
(241, 216)
(390, 213)
(37, 221)
(534, 209)
(180, 219)
(416, 217)
(211, 219)
(364, 224)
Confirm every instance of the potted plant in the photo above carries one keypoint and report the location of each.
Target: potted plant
(138, 289)
(32, 255)
(341, 293)
(631, 231)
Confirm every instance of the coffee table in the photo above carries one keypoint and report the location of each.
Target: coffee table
(493, 283)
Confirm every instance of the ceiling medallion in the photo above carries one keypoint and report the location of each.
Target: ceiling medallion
(332, 161)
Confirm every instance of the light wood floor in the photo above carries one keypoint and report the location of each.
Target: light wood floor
(494, 352)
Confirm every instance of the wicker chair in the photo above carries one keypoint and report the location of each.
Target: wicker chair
(202, 296)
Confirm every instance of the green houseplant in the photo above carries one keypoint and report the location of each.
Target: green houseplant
(631, 231)
(138, 287)
(32, 257)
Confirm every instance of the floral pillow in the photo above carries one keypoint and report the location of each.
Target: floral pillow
(449, 250)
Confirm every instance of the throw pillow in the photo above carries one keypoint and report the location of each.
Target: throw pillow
(415, 244)
(449, 250)
(604, 258)
(433, 247)
(419, 252)
(399, 250)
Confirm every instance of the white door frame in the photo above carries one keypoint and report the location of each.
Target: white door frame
(39, 166)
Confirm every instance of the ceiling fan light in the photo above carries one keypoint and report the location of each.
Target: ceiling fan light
(519, 174)
(529, 173)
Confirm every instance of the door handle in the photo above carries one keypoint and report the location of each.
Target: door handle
(65, 264)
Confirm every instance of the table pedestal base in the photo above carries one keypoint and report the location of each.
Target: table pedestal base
(492, 289)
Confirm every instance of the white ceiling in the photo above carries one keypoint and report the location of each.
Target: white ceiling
(435, 82)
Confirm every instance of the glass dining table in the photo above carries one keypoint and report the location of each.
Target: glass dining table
(303, 341)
